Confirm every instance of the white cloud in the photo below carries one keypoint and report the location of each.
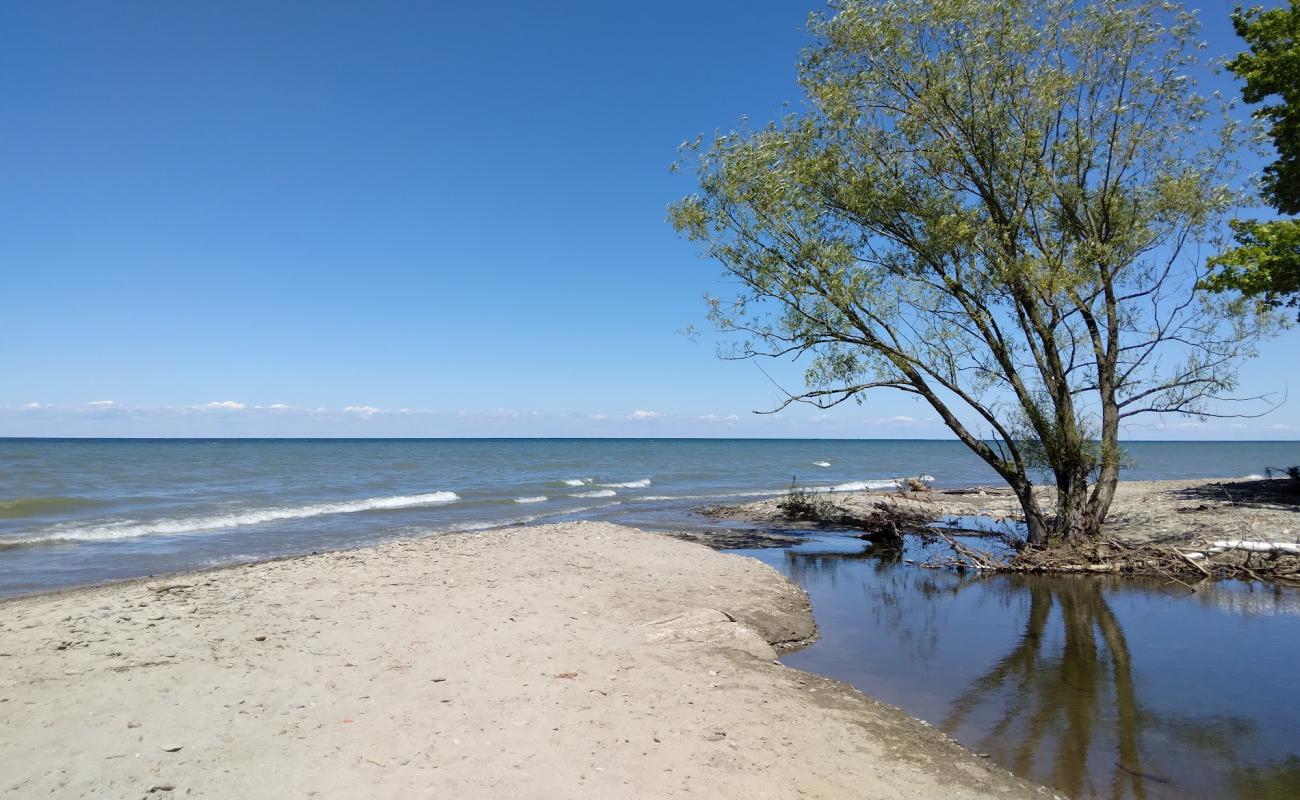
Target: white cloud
(716, 418)
(901, 419)
(278, 407)
(364, 411)
(102, 403)
(35, 406)
(599, 417)
(222, 405)
(639, 414)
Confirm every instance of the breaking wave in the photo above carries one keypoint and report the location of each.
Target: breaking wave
(597, 493)
(541, 498)
(132, 529)
(641, 484)
(870, 485)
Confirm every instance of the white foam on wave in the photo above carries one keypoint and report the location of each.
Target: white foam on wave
(858, 486)
(541, 498)
(641, 484)
(821, 463)
(487, 525)
(133, 529)
(1254, 476)
(718, 496)
(597, 493)
(871, 485)
(576, 481)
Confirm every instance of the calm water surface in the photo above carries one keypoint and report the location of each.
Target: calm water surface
(1098, 687)
(1101, 689)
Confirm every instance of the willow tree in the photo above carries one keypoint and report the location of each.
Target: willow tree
(995, 205)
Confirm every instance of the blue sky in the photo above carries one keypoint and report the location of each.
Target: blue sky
(394, 219)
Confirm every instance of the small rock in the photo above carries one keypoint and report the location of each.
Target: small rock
(161, 787)
(132, 724)
(259, 638)
(171, 748)
(715, 736)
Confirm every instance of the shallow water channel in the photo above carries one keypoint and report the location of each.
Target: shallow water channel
(1098, 687)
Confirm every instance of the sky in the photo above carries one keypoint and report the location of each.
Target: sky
(398, 219)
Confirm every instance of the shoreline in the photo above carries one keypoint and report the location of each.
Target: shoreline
(1161, 512)
(1194, 505)
(579, 659)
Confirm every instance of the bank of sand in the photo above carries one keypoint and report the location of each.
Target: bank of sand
(576, 660)
(1186, 513)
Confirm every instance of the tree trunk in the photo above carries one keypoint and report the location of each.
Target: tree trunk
(1074, 518)
(1079, 513)
(1037, 531)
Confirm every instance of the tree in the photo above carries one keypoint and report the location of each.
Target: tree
(993, 205)
(1266, 263)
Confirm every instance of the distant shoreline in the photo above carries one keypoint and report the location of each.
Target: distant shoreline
(579, 439)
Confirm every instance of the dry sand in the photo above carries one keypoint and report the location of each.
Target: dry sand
(578, 660)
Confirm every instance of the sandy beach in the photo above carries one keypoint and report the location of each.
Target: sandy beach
(575, 660)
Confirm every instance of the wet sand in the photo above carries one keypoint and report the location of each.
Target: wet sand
(576, 660)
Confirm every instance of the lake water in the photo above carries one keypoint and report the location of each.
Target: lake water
(1103, 689)
(76, 511)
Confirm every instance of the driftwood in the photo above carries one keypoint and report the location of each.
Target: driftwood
(1242, 560)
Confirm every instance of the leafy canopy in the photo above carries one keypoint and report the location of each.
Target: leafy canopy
(1266, 262)
(991, 204)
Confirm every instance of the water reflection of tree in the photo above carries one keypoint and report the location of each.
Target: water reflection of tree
(1054, 696)
(1061, 706)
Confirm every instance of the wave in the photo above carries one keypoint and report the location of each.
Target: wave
(1254, 476)
(597, 493)
(541, 498)
(871, 485)
(641, 484)
(34, 506)
(488, 525)
(821, 463)
(858, 486)
(715, 496)
(132, 529)
(576, 481)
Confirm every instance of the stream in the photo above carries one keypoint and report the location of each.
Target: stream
(1098, 687)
